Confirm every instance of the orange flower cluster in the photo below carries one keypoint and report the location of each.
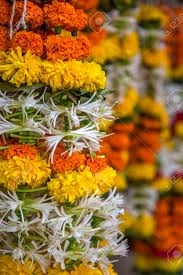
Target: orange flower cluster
(28, 41)
(66, 48)
(76, 161)
(4, 12)
(146, 140)
(169, 220)
(65, 16)
(96, 37)
(4, 39)
(34, 14)
(87, 5)
(116, 146)
(21, 150)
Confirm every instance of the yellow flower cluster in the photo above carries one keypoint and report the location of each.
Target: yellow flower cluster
(10, 267)
(144, 263)
(153, 108)
(108, 49)
(162, 184)
(73, 74)
(114, 47)
(20, 171)
(152, 13)
(129, 45)
(177, 73)
(143, 225)
(179, 129)
(141, 171)
(28, 69)
(20, 69)
(74, 185)
(127, 105)
(155, 58)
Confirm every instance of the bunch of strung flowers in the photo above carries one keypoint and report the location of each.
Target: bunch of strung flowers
(58, 207)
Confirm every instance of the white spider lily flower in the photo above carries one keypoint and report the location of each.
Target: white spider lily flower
(15, 225)
(43, 205)
(5, 102)
(18, 254)
(58, 224)
(95, 109)
(61, 254)
(38, 254)
(86, 134)
(9, 203)
(89, 202)
(7, 126)
(83, 230)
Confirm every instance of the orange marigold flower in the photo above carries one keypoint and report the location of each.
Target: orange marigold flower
(21, 150)
(34, 14)
(28, 41)
(150, 123)
(144, 154)
(119, 141)
(4, 12)
(149, 138)
(87, 5)
(66, 48)
(64, 15)
(116, 160)
(97, 163)
(96, 37)
(63, 163)
(4, 39)
(123, 127)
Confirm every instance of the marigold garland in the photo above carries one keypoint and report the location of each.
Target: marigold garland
(74, 185)
(66, 48)
(155, 58)
(18, 171)
(4, 39)
(141, 171)
(59, 75)
(20, 69)
(152, 13)
(34, 14)
(65, 16)
(73, 75)
(4, 12)
(10, 267)
(28, 41)
(21, 150)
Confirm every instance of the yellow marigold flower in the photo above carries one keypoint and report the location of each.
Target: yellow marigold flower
(170, 266)
(86, 270)
(20, 171)
(155, 109)
(144, 225)
(127, 221)
(179, 129)
(141, 171)
(155, 58)
(10, 267)
(101, 53)
(104, 124)
(127, 105)
(162, 184)
(152, 13)
(105, 179)
(74, 185)
(120, 181)
(178, 185)
(144, 263)
(20, 69)
(129, 45)
(73, 74)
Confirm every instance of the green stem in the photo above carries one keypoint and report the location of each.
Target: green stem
(4, 147)
(23, 137)
(44, 188)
